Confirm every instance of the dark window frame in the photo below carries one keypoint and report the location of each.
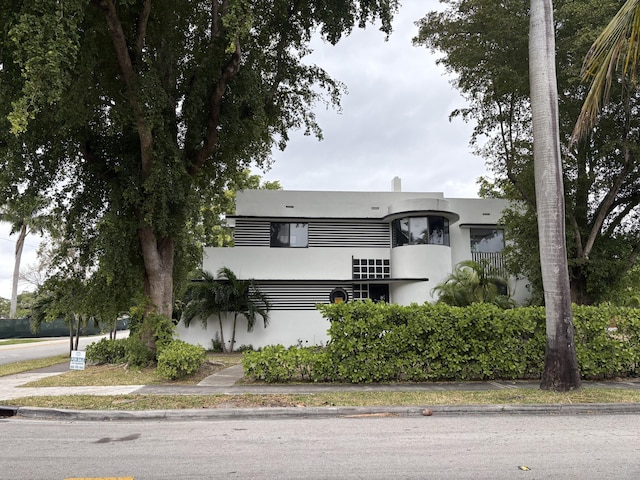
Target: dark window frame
(404, 231)
(279, 239)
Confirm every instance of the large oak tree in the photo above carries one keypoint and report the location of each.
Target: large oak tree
(131, 114)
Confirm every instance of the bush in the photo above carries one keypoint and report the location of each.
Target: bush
(137, 353)
(107, 351)
(180, 359)
(277, 364)
(216, 344)
(389, 343)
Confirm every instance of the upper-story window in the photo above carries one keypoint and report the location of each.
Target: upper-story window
(294, 235)
(430, 230)
(487, 240)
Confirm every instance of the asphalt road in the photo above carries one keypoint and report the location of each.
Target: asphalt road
(45, 348)
(465, 447)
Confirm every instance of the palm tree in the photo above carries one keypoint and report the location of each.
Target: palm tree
(202, 299)
(619, 40)
(222, 295)
(560, 364)
(24, 219)
(473, 282)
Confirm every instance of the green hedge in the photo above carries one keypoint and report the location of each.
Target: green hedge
(179, 359)
(387, 343)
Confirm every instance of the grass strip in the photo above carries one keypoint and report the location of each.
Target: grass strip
(524, 396)
(19, 341)
(20, 367)
(109, 375)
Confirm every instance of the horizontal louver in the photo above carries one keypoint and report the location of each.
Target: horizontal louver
(299, 297)
(321, 234)
(251, 234)
(338, 234)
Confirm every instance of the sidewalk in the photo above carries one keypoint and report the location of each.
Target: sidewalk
(223, 382)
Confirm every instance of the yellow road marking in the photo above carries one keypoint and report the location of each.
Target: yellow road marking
(100, 478)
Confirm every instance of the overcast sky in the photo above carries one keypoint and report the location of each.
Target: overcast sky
(394, 122)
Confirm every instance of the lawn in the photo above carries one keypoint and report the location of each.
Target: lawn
(356, 399)
(122, 375)
(106, 375)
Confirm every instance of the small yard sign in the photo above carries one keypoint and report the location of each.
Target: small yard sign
(77, 360)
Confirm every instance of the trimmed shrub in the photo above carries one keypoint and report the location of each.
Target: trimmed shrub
(179, 359)
(107, 351)
(277, 364)
(389, 343)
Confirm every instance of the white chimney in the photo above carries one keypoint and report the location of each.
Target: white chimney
(396, 184)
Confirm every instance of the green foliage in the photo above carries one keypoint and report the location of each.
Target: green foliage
(151, 329)
(244, 348)
(389, 343)
(180, 359)
(226, 294)
(156, 109)
(5, 305)
(138, 353)
(473, 282)
(216, 344)
(107, 351)
(277, 364)
(484, 44)
(213, 230)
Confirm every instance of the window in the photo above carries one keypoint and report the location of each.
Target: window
(295, 235)
(375, 292)
(420, 231)
(371, 268)
(487, 240)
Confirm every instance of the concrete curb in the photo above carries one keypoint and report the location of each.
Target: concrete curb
(324, 412)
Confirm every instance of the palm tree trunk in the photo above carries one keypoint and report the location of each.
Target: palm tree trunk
(233, 332)
(16, 270)
(561, 371)
(224, 348)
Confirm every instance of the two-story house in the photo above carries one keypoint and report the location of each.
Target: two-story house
(310, 247)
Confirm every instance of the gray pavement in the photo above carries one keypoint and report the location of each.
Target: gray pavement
(225, 383)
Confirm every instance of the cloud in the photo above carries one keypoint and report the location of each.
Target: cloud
(394, 121)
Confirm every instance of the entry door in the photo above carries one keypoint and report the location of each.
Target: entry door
(379, 292)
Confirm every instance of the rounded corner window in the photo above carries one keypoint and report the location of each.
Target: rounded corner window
(338, 295)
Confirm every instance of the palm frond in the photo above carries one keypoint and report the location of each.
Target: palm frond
(620, 40)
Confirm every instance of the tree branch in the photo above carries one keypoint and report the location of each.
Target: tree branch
(576, 233)
(230, 70)
(507, 142)
(141, 33)
(126, 69)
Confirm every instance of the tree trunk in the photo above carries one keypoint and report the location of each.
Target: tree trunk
(224, 348)
(158, 277)
(77, 341)
(16, 271)
(560, 364)
(579, 293)
(233, 333)
(70, 336)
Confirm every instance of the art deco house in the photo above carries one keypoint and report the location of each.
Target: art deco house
(310, 247)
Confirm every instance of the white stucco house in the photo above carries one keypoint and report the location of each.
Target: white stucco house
(302, 247)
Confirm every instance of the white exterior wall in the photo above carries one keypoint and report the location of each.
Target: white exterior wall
(264, 263)
(286, 328)
(418, 261)
(409, 264)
